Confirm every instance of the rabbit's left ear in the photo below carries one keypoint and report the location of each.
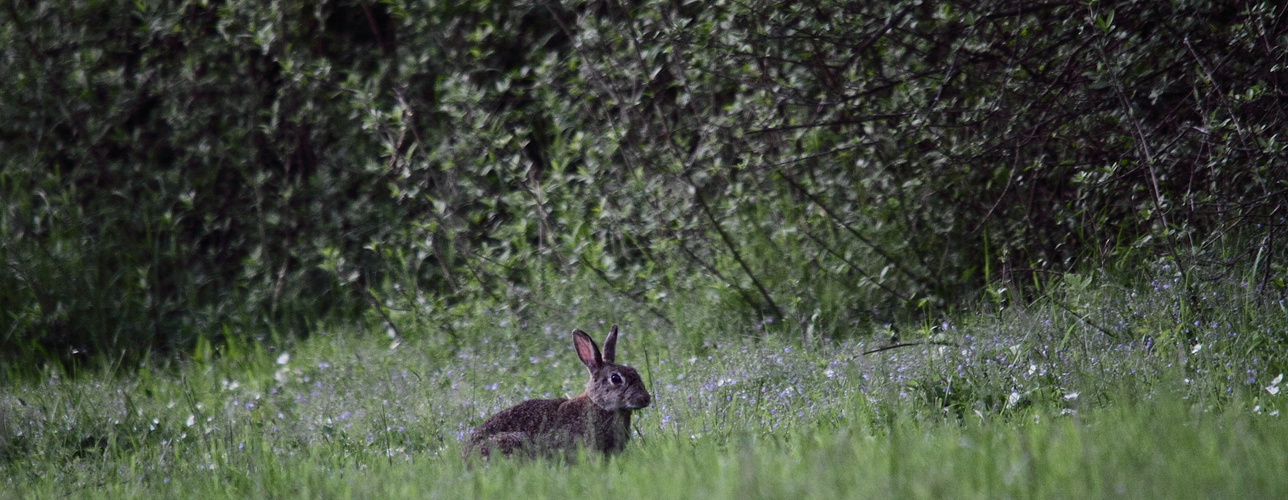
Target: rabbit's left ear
(587, 351)
(610, 345)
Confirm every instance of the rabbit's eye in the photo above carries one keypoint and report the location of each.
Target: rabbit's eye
(615, 379)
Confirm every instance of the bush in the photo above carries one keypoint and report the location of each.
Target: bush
(173, 172)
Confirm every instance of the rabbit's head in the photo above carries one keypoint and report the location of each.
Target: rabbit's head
(612, 387)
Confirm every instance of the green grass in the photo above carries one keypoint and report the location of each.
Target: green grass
(1113, 393)
(1158, 450)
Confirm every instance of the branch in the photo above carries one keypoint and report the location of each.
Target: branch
(627, 293)
(854, 266)
(375, 303)
(906, 344)
(857, 235)
(733, 249)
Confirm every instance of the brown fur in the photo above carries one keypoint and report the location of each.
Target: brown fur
(598, 419)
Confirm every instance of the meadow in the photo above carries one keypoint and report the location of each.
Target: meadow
(1098, 391)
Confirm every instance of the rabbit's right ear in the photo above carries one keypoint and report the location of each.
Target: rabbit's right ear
(587, 350)
(610, 345)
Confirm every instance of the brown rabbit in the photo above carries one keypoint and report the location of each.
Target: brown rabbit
(599, 418)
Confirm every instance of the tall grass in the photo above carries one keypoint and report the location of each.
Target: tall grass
(1099, 390)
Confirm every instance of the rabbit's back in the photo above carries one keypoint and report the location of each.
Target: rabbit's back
(533, 416)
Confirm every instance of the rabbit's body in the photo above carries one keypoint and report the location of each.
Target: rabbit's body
(544, 425)
(599, 419)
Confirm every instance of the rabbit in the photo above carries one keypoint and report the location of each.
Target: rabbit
(598, 419)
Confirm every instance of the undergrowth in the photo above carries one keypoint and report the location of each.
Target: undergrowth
(1167, 390)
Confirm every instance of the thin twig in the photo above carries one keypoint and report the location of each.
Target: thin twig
(733, 248)
(898, 265)
(375, 303)
(906, 344)
(603, 276)
(1080, 317)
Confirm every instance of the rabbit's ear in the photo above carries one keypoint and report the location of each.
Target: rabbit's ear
(610, 345)
(587, 350)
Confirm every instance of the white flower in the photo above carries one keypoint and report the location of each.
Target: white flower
(192, 419)
(1272, 389)
(1277, 380)
(284, 358)
(1196, 349)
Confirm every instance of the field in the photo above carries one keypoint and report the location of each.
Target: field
(1001, 403)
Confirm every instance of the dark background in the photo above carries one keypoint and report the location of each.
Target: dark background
(176, 172)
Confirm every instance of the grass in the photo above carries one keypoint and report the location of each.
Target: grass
(1111, 392)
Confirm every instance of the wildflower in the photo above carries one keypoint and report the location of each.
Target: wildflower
(284, 358)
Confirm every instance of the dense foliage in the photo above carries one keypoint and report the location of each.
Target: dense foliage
(178, 170)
